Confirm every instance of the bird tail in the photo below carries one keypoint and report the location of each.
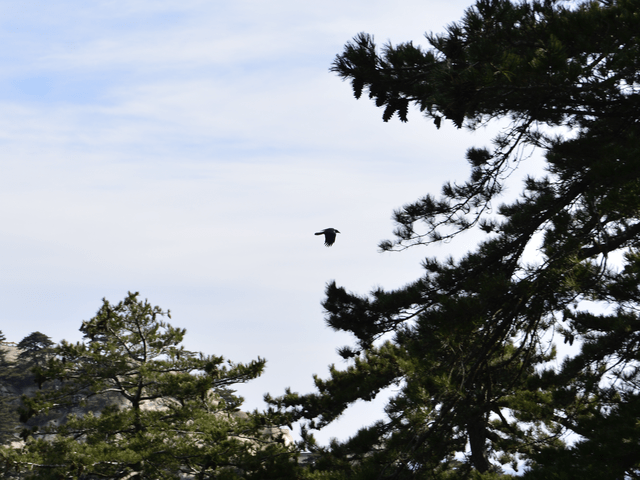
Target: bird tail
(319, 233)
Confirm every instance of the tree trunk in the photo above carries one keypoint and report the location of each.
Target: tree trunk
(477, 441)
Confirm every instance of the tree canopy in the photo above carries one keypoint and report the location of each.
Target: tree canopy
(131, 402)
(471, 345)
(34, 348)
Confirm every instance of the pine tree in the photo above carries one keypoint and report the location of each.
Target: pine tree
(142, 406)
(467, 345)
(34, 348)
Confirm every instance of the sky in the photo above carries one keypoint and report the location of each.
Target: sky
(189, 150)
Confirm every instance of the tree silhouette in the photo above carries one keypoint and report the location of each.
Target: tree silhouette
(469, 347)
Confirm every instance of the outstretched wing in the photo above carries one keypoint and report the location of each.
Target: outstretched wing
(329, 237)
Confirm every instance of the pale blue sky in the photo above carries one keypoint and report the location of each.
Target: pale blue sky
(189, 150)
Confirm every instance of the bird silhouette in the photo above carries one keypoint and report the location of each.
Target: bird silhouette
(329, 235)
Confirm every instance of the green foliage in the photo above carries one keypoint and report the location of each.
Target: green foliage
(8, 420)
(467, 346)
(34, 348)
(136, 404)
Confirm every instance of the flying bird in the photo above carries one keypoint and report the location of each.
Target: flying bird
(329, 235)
